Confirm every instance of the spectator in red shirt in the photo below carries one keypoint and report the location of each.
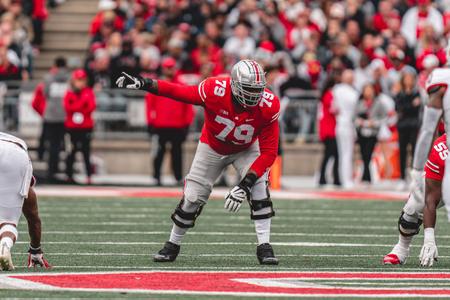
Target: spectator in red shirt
(79, 104)
(327, 134)
(8, 70)
(386, 13)
(106, 14)
(39, 15)
(169, 121)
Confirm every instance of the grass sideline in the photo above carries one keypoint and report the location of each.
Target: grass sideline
(120, 234)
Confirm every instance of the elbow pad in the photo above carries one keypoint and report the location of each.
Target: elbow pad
(430, 121)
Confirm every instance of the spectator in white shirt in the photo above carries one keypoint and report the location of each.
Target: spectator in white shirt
(345, 99)
(240, 45)
(416, 19)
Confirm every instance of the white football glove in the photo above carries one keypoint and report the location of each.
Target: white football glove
(36, 258)
(428, 254)
(129, 82)
(235, 197)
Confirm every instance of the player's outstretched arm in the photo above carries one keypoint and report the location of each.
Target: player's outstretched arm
(179, 92)
(31, 213)
(431, 117)
(433, 195)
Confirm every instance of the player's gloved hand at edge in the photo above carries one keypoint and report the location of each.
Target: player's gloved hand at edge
(134, 82)
(429, 252)
(36, 258)
(428, 255)
(240, 193)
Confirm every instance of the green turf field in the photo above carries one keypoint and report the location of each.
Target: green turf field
(98, 234)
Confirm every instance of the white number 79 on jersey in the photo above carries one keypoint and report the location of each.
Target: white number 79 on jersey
(243, 133)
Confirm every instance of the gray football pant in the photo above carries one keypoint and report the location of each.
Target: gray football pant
(207, 167)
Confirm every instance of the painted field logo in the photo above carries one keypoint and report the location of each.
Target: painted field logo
(307, 284)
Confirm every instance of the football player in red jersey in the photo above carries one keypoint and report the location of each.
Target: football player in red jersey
(420, 206)
(240, 129)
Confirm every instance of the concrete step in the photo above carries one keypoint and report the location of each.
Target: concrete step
(71, 45)
(39, 73)
(45, 59)
(66, 34)
(63, 37)
(42, 63)
(66, 27)
(50, 55)
(84, 7)
(61, 18)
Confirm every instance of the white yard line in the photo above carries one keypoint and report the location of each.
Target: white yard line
(248, 223)
(211, 210)
(210, 217)
(213, 255)
(287, 244)
(221, 233)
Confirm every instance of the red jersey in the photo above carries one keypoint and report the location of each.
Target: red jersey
(435, 166)
(327, 120)
(163, 112)
(230, 128)
(79, 109)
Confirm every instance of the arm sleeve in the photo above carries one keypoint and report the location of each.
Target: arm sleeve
(38, 103)
(268, 144)
(67, 102)
(92, 104)
(149, 100)
(188, 94)
(430, 122)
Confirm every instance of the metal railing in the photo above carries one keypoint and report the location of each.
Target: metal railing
(121, 113)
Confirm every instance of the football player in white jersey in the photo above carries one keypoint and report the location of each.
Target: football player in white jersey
(438, 105)
(18, 196)
(421, 207)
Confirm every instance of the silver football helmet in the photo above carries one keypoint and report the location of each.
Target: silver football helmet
(248, 81)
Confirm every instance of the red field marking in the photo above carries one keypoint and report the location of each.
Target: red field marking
(70, 191)
(234, 283)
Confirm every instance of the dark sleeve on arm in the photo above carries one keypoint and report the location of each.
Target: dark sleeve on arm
(183, 93)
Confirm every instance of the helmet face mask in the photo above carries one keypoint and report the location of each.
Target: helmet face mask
(248, 82)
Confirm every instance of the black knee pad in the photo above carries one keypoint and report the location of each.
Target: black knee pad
(261, 209)
(407, 228)
(183, 218)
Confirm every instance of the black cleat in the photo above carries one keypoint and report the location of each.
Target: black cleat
(265, 255)
(168, 253)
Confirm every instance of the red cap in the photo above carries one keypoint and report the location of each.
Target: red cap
(267, 45)
(423, 2)
(79, 74)
(168, 62)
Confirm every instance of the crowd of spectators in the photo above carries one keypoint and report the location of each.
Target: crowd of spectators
(21, 35)
(390, 46)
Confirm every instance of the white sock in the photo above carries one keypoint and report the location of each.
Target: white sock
(8, 241)
(177, 233)
(262, 228)
(404, 241)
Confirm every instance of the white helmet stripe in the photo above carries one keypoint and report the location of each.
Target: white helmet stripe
(247, 82)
